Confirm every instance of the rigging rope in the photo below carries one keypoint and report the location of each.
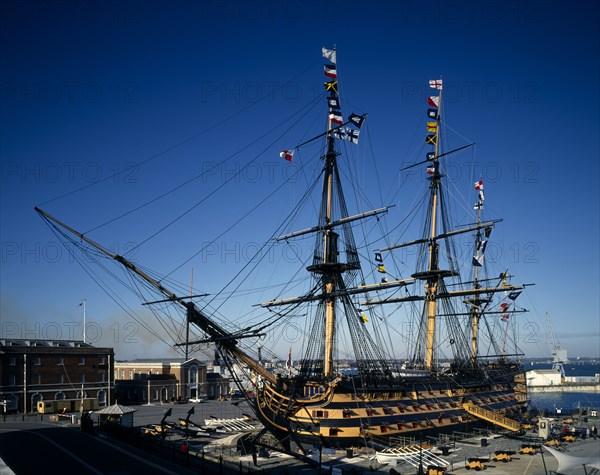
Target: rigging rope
(186, 141)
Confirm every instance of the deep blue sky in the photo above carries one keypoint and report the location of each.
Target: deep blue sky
(90, 87)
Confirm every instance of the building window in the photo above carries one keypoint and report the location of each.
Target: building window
(37, 379)
(81, 360)
(101, 376)
(130, 374)
(60, 396)
(122, 374)
(102, 360)
(82, 377)
(102, 397)
(12, 361)
(194, 374)
(60, 361)
(37, 361)
(12, 380)
(60, 378)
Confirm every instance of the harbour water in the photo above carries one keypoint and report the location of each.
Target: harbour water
(568, 402)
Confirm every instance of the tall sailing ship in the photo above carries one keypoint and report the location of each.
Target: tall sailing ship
(348, 388)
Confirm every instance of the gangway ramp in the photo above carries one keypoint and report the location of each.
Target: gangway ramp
(492, 416)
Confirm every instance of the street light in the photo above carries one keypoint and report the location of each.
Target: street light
(420, 471)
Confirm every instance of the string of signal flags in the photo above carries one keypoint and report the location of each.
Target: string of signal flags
(341, 130)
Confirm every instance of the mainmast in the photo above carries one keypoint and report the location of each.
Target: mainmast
(477, 301)
(433, 275)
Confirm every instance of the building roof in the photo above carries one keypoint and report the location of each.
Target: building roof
(44, 343)
(144, 378)
(116, 410)
(160, 361)
(33, 345)
(153, 360)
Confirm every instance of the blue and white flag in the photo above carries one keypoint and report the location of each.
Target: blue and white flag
(329, 54)
(346, 133)
(352, 135)
(333, 102)
(357, 120)
(479, 251)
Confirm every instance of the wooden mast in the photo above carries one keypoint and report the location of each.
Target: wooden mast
(475, 309)
(432, 284)
(329, 253)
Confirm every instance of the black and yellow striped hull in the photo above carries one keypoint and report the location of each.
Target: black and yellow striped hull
(337, 415)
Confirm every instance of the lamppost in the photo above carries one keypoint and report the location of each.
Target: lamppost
(187, 422)
(420, 471)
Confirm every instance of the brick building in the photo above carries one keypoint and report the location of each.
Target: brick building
(217, 385)
(162, 379)
(46, 370)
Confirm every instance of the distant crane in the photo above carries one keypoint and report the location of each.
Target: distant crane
(559, 355)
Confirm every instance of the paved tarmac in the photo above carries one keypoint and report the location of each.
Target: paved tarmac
(152, 413)
(39, 448)
(35, 447)
(537, 464)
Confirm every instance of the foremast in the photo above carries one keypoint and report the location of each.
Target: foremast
(328, 266)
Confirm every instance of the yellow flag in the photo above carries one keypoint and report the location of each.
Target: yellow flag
(431, 139)
(331, 86)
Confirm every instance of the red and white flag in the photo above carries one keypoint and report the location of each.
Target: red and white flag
(434, 101)
(479, 185)
(330, 71)
(335, 116)
(435, 83)
(287, 155)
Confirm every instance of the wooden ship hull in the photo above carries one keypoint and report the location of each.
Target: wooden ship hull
(336, 416)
